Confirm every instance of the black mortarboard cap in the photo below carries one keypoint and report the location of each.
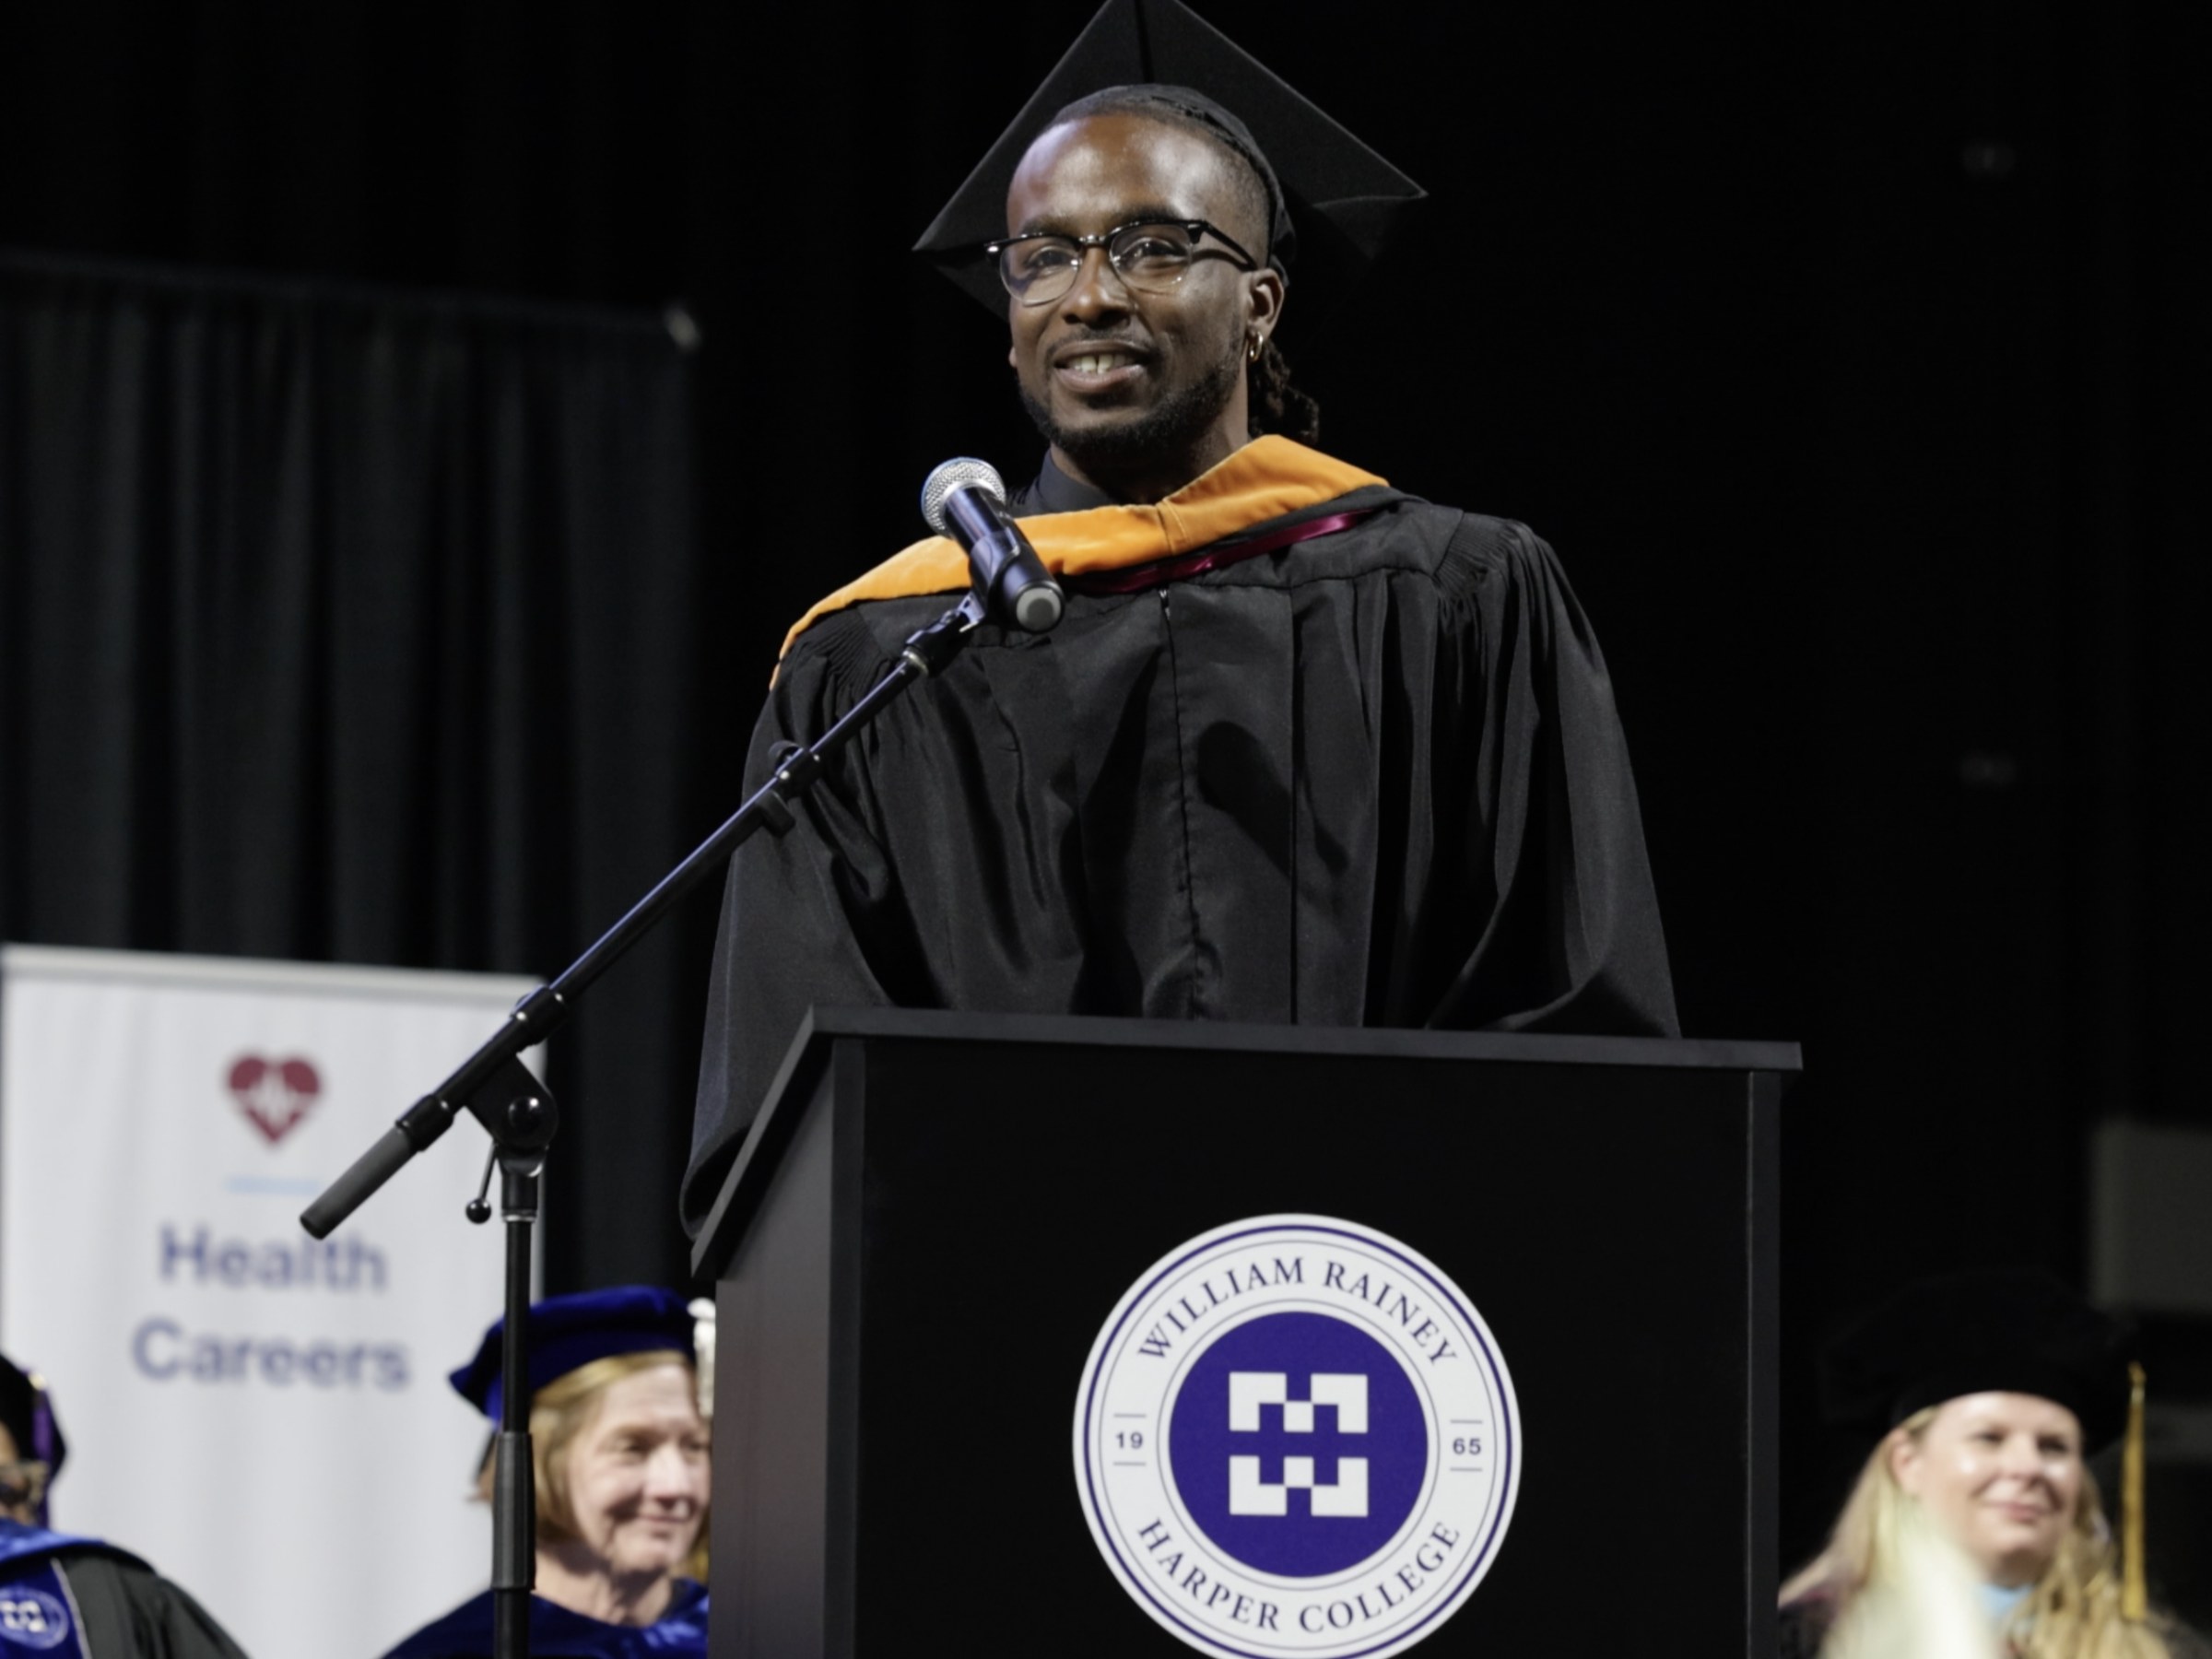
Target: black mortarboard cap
(566, 1332)
(1994, 1330)
(1344, 200)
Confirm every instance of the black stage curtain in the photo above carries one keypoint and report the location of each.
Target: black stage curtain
(358, 627)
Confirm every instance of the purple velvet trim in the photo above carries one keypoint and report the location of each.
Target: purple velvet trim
(41, 1445)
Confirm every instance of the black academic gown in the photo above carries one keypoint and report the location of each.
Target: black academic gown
(1374, 778)
(1801, 1627)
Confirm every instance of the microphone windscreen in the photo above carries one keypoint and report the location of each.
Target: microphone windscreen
(963, 472)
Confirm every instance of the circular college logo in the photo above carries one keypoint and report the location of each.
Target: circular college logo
(31, 1618)
(1296, 1437)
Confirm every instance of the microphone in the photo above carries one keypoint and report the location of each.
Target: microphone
(966, 500)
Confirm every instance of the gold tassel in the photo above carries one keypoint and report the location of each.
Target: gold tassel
(2134, 1595)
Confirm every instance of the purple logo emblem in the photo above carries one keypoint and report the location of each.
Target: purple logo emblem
(1297, 1418)
(1296, 1437)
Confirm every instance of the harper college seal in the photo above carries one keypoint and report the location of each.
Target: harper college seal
(1296, 1436)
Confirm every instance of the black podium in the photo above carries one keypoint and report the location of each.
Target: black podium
(938, 1214)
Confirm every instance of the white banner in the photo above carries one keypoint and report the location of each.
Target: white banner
(263, 1416)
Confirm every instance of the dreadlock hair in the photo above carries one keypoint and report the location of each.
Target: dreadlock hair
(1274, 404)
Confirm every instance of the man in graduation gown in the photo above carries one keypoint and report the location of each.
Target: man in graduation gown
(68, 1598)
(1305, 748)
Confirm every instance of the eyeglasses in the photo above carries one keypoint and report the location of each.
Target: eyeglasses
(1147, 254)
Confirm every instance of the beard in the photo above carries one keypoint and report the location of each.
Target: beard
(1173, 426)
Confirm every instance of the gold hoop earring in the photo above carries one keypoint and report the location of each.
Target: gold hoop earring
(1251, 354)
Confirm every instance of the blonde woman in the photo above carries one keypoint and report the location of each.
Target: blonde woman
(620, 1454)
(1975, 1530)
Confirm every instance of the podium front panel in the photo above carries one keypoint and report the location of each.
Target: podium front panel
(952, 1222)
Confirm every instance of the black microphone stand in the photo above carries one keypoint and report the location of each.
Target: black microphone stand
(522, 1126)
(518, 1153)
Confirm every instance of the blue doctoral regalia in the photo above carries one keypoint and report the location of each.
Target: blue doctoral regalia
(35, 1604)
(557, 1633)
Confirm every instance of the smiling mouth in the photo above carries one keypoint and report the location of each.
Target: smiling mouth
(1098, 362)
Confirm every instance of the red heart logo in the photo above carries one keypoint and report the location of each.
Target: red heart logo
(273, 1094)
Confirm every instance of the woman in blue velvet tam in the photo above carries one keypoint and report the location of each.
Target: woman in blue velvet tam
(621, 1462)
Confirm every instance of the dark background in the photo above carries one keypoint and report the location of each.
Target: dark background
(1853, 360)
